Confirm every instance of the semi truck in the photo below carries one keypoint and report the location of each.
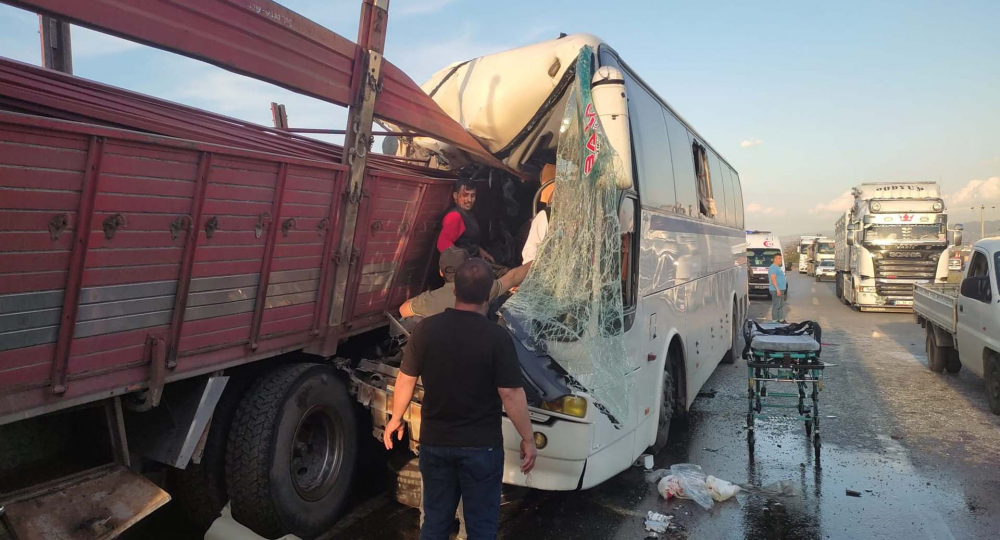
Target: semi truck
(804, 243)
(762, 246)
(820, 250)
(962, 320)
(894, 236)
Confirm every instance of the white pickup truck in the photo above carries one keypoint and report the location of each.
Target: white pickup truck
(963, 321)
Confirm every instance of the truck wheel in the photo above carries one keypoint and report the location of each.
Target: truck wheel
(993, 383)
(666, 414)
(936, 356)
(952, 363)
(730, 356)
(201, 488)
(292, 451)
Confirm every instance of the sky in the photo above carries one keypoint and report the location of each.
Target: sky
(804, 99)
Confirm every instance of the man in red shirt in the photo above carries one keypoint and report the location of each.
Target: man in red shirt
(459, 227)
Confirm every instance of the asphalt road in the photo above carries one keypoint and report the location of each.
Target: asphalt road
(922, 450)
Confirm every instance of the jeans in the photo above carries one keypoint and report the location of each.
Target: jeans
(473, 475)
(777, 305)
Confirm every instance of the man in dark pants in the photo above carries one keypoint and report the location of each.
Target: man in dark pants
(468, 367)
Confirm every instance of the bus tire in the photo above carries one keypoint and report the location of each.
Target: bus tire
(292, 452)
(730, 356)
(668, 399)
(936, 356)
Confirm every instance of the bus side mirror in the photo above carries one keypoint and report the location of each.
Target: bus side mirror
(852, 229)
(956, 235)
(611, 102)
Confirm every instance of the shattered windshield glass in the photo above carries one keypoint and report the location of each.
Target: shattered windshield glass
(570, 304)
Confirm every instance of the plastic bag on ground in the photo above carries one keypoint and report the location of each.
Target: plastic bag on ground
(686, 481)
(656, 522)
(653, 477)
(720, 489)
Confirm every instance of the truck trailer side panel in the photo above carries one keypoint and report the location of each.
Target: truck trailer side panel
(95, 312)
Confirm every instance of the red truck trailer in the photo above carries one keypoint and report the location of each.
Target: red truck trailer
(174, 284)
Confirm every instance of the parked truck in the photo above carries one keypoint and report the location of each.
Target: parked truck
(819, 250)
(804, 243)
(894, 236)
(963, 320)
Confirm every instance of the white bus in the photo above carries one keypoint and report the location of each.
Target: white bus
(685, 277)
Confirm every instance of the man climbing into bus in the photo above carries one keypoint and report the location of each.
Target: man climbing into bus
(459, 228)
(436, 301)
(778, 288)
(540, 223)
(469, 368)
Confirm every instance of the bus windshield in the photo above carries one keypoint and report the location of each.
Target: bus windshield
(762, 257)
(825, 248)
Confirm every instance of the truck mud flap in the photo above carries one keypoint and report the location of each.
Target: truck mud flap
(93, 505)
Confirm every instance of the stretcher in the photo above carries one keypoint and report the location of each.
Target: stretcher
(787, 355)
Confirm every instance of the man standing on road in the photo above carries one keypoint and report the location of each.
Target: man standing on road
(778, 288)
(468, 368)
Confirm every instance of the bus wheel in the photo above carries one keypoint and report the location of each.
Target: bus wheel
(730, 356)
(292, 451)
(667, 400)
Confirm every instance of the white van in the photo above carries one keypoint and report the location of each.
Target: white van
(762, 246)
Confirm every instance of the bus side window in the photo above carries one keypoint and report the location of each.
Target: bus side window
(685, 184)
(738, 189)
(706, 204)
(627, 219)
(720, 195)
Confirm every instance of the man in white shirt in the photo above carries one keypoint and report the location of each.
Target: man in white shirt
(540, 223)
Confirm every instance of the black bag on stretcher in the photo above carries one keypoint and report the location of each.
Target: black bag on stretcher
(802, 341)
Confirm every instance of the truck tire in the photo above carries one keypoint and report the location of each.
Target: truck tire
(993, 382)
(292, 451)
(200, 489)
(953, 364)
(937, 357)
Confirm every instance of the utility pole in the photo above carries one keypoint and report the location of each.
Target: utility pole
(57, 47)
(982, 220)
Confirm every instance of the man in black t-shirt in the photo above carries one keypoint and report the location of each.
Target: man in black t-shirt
(469, 368)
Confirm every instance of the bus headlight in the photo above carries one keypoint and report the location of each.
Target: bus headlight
(568, 405)
(876, 206)
(866, 289)
(938, 206)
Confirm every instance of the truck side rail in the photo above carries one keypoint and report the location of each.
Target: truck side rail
(936, 303)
